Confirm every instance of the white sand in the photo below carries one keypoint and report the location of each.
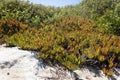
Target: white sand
(18, 64)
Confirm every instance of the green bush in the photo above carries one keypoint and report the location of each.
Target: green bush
(110, 23)
(26, 12)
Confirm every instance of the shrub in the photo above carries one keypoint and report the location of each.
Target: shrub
(71, 42)
(110, 23)
(26, 12)
(9, 27)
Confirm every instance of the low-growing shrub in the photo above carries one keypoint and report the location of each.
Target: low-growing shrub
(9, 27)
(71, 42)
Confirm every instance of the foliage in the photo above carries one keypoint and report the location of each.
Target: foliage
(105, 12)
(25, 12)
(69, 36)
(110, 24)
(71, 41)
(110, 21)
(93, 9)
(8, 27)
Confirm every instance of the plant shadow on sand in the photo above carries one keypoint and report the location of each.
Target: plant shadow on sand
(58, 67)
(97, 71)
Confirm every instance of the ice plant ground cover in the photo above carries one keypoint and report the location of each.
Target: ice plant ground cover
(16, 64)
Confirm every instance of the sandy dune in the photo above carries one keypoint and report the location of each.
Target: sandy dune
(18, 64)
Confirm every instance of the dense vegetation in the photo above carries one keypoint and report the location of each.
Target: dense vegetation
(85, 34)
